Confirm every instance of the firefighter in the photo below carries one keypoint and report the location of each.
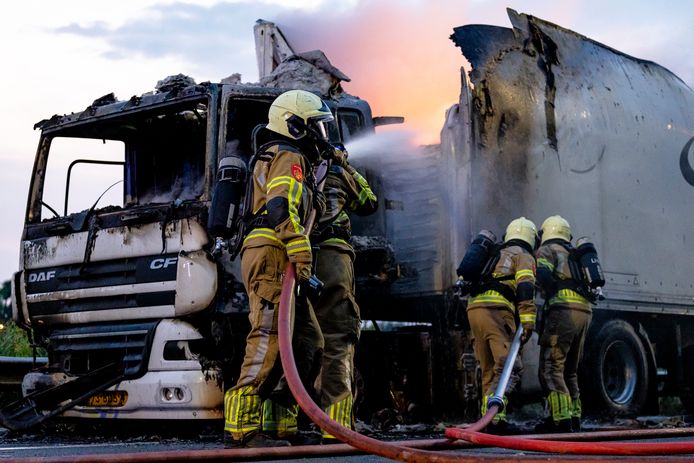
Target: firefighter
(336, 309)
(564, 328)
(259, 411)
(492, 309)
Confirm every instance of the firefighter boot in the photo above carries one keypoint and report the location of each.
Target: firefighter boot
(560, 414)
(242, 416)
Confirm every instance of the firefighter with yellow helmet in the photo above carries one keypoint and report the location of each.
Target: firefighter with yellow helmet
(257, 410)
(565, 326)
(345, 190)
(492, 308)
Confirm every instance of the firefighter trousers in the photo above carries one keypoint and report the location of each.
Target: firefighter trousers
(493, 329)
(260, 383)
(338, 316)
(561, 349)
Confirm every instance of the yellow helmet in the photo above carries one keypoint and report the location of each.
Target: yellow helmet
(555, 227)
(296, 111)
(521, 229)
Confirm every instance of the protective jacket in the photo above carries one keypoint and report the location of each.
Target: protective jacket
(555, 278)
(345, 191)
(282, 194)
(516, 270)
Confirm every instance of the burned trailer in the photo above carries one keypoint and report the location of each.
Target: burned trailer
(551, 122)
(141, 311)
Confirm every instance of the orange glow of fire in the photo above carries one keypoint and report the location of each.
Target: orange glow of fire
(400, 60)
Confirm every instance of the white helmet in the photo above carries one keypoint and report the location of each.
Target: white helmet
(296, 111)
(521, 229)
(556, 227)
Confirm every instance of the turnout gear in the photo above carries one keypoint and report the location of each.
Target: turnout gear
(492, 310)
(567, 319)
(339, 156)
(336, 309)
(303, 272)
(555, 227)
(260, 404)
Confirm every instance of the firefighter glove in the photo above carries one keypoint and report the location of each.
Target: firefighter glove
(319, 204)
(303, 271)
(527, 333)
(339, 157)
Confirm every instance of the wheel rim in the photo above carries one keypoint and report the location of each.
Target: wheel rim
(620, 372)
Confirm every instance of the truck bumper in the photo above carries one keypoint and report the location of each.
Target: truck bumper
(166, 395)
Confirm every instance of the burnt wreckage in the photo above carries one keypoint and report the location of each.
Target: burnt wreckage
(141, 308)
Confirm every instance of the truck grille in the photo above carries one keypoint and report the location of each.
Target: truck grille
(79, 350)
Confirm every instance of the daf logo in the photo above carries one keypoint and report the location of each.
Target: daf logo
(41, 276)
(158, 264)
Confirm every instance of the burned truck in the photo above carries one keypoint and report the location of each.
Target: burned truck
(141, 316)
(548, 122)
(141, 308)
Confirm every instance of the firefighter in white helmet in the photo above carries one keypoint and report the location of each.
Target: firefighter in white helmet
(565, 324)
(492, 310)
(257, 412)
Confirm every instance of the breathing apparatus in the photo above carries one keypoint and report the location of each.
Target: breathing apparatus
(228, 193)
(479, 260)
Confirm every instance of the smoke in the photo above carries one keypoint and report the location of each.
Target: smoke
(399, 57)
(180, 191)
(412, 200)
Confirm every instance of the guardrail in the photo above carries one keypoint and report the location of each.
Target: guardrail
(13, 369)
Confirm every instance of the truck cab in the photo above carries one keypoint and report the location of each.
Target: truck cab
(116, 277)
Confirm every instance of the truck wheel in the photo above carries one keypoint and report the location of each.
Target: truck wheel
(618, 372)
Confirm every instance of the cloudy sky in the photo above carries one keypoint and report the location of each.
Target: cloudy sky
(59, 56)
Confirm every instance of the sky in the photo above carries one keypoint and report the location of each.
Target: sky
(60, 56)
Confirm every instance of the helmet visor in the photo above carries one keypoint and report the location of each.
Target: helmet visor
(319, 125)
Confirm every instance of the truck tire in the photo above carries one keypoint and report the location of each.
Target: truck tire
(617, 371)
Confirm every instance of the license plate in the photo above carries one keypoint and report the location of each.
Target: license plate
(108, 399)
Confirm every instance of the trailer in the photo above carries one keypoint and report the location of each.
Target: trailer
(550, 122)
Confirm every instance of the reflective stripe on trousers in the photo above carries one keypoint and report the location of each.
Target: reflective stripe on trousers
(559, 406)
(341, 413)
(242, 410)
(279, 420)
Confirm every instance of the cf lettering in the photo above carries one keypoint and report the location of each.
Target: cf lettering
(158, 264)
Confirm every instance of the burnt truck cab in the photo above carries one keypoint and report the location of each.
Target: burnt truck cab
(116, 273)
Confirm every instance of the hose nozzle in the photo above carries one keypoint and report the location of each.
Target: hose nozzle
(497, 401)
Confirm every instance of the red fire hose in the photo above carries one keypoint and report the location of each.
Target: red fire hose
(584, 448)
(368, 444)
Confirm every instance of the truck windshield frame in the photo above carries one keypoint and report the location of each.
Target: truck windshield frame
(165, 157)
